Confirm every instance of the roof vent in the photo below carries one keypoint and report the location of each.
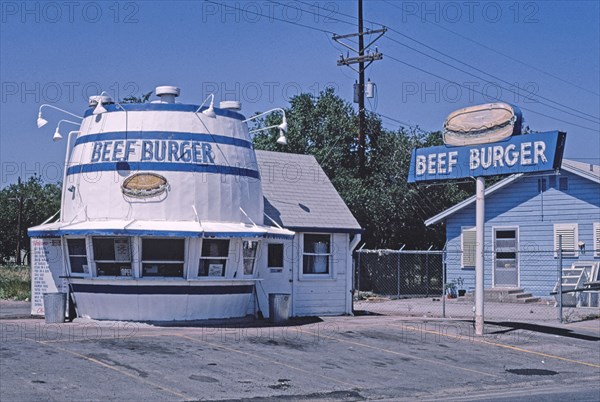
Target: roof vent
(167, 94)
(231, 105)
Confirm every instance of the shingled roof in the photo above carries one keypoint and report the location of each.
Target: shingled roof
(299, 196)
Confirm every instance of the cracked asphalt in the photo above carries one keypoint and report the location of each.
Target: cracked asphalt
(333, 358)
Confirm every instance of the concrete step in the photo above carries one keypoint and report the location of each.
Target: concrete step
(505, 295)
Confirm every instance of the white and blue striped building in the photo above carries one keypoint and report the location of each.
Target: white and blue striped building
(163, 218)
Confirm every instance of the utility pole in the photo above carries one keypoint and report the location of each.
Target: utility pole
(360, 60)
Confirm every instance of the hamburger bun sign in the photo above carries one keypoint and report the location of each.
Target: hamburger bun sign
(486, 140)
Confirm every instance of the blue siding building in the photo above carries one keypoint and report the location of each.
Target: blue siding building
(524, 217)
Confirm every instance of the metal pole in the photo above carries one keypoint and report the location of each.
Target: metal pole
(444, 285)
(398, 274)
(479, 225)
(427, 273)
(560, 294)
(358, 275)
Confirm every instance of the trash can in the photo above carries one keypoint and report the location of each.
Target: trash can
(54, 307)
(279, 307)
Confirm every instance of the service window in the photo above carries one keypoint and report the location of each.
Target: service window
(112, 256)
(249, 248)
(275, 257)
(317, 253)
(214, 258)
(163, 257)
(77, 256)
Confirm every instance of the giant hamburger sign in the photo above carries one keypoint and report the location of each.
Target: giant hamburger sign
(486, 140)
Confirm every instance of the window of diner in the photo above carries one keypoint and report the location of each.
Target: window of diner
(77, 256)
(275, 257)
(317, 253)
(163, 257)
(249, 248)
(112, 256)
(213, 260)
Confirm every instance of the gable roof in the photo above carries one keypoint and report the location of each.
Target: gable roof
(299, 196)
(585, 170)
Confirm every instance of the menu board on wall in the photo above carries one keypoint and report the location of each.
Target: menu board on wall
(46, 269)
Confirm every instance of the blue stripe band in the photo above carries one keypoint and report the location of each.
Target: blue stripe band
(161, 135)
(162, 290)
(142, 232)
(163, 167)
(164, 107)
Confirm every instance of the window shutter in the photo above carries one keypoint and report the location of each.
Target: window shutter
(597, 239)
(469, 243)
(569, 239)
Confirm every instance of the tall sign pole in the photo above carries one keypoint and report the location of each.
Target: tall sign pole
(479, 260)
(485, 140)
(360, 59)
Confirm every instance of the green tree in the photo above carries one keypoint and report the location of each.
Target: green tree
(35, 202)
(391, 211)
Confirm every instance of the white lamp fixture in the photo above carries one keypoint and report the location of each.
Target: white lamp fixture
(210, 112)
(283, 126)
(99, 109)
(57, 136)
(281, 140)
(41, 122)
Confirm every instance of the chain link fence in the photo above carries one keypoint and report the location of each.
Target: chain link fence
(523, 286)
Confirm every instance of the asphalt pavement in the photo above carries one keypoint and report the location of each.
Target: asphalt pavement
(332, 358)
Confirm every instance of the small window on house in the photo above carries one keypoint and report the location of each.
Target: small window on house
(249, 248)
(163, 257)
(77, 256)
(275, 255)
(317, 250)
(542, 185)
(468, 247)
(112, 256)
(214, 258)
(597, 239)
(563, 183)
(567, 235)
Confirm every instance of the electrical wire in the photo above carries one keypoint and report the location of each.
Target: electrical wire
(481, 93)
(500, 53)
(464, 63)
(468, 65)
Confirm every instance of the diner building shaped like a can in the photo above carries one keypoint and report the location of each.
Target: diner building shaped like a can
(168, 213)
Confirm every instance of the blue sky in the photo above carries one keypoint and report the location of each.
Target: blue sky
(263, 52)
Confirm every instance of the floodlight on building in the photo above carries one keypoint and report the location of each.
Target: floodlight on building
(41, 122)
(210, 112)
(57, 136)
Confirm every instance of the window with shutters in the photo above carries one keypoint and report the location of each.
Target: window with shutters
(569, 234)
(468, 247)
(597, 239)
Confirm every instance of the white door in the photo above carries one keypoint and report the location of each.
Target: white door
(274, 272)
(506, 258)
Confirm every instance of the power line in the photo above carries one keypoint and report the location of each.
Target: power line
(489, 82)
(461, 62)
(501, 53)
(397, 60)
(272, 17)
(481, 93)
